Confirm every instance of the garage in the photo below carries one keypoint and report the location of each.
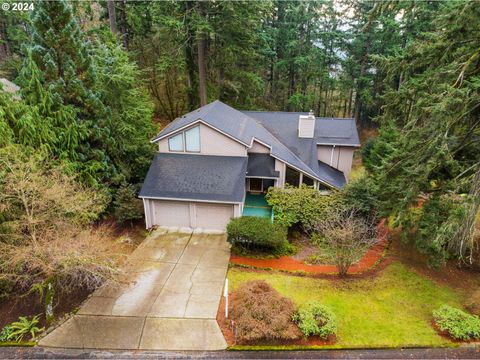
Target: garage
(210, 216)
(173, 197)
(190, 214)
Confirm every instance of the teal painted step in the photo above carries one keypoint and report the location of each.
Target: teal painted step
(255, 200)
(256, 205)
(257, 211)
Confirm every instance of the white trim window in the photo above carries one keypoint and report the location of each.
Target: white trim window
(192, 139)
(175, 143)
(188, 140)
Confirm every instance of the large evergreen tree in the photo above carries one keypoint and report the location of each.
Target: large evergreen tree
(429, 143)
(84, 102)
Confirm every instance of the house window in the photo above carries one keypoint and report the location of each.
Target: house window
(175, 143)
(292, 177)
(186, 141)
(307, 180)
(256, 185)
(192, 139)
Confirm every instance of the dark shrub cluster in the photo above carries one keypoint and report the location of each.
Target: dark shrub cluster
(262, 314)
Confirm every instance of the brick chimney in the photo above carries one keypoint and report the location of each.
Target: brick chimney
(306, 125)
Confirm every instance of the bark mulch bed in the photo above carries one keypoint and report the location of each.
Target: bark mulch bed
(287, 263)
(228, 333)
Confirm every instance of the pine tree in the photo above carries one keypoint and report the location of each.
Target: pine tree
(58, 80)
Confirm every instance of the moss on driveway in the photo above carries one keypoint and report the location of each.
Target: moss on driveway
(391, 309)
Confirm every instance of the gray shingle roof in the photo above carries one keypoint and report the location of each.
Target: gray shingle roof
(279, 131)
(261, 165)
(196, 177)
(327, 130)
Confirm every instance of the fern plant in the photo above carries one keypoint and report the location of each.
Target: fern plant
(22, 327)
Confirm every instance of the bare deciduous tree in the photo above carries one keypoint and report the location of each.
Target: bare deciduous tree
(345, 238)
(44, 232)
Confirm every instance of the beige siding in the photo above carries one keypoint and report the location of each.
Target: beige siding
(341, 159)
(189, 214)
(280, 167)
(259, 148)
(212, 142)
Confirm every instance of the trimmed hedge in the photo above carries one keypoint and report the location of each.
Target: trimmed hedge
(257, 233)
(315, 319)
(457, 323)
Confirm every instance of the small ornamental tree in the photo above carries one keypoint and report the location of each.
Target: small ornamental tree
(345, 237)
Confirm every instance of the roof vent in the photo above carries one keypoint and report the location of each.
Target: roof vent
(306, 125)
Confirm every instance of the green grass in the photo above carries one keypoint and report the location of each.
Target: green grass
(393, 309)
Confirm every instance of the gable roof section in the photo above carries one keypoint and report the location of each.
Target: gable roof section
(196, 177)
(331, 131)
(279, 131)
(239, 126)
(261, 165)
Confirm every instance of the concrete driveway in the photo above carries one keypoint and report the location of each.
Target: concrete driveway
(167, 299)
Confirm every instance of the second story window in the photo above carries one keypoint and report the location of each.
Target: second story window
(188, 140)
(192, 139)
(175, 143)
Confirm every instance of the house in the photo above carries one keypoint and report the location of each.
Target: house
(216, 162)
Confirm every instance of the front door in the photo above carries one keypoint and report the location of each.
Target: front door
(256, 185)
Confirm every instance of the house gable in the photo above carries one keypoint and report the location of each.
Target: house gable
(212, 142)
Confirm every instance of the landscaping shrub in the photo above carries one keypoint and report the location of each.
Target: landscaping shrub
(251, 232)
(315, 319)
(457, 323)
(360, 195)
(473, 303)
(127, 206)
(300, 205)
(262, 314)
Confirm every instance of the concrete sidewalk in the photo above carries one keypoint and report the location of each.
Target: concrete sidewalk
(167, 299)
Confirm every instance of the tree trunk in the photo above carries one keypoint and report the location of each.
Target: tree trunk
(4, 47)
(112, 16)
(319, 104)
(192, 101)
(123, 24)
(350, 101)
(465, 236)
(202, 72)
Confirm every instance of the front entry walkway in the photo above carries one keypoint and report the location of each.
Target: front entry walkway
(167, 299)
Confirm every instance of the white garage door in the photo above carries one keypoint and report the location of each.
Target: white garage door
(171, 213)
(191, 214)
(213, 216)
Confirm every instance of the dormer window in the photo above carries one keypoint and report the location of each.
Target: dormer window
(192, 139)
(175, 143)
(188, 141)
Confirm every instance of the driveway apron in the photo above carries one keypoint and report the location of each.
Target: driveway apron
(166, 299)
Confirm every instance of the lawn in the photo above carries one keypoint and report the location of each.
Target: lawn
(392, 309)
